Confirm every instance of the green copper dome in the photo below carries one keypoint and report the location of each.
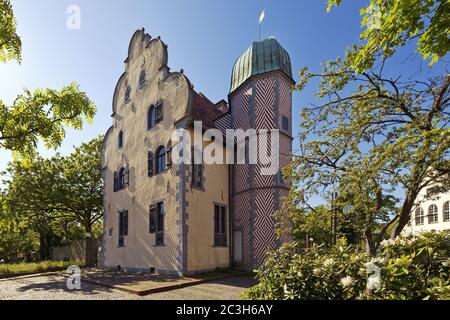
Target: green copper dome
(263, 56)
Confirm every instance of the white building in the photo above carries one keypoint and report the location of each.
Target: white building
(430, 214)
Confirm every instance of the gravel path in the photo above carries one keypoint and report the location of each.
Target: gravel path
(53, 287)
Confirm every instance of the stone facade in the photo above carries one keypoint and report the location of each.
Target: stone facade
(189, 211)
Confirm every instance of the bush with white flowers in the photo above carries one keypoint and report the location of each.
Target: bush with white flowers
(405, 268)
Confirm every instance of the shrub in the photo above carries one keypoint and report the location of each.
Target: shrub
(33, 267)
(411, 268)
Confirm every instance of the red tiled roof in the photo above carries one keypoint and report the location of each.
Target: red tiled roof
(204, 110)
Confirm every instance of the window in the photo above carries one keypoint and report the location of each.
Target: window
(156, 222)
(419, 216)
(432, 214)
(160, 160)
(123, 227)
(220, 226)
(285, 123)
(197, 168)
(121, 179)
(446, 211)
(142, 79)
(150, 164)
(150, 117)
(127, 94)
(120, 139)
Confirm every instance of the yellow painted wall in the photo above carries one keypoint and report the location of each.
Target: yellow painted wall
(202, 255)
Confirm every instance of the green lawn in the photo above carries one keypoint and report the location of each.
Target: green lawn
(33, 267)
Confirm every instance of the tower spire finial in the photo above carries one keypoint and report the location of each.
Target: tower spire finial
(261, 19)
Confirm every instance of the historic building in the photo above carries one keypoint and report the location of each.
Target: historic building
(164, 217)
(430, 213)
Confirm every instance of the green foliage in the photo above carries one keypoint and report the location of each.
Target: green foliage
(394, 23)
(10, 44)
(292, 273)
(32, 267)
(300, 224)
(42, 115)
(371, 135)
(410, 269)
(60, 199)
(17, 240)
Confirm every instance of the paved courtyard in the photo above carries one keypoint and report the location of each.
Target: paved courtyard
(53, 287)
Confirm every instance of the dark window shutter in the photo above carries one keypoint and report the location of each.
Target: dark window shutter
(222, 220)
(152, 219)
(159, 112)
(116, 180)
(125, 223)
(169, 155)
(160, 217)
(120, 223)
(150, 164)
(127, 178)
(216, 219)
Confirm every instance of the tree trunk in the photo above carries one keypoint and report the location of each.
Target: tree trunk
(370, 246)
(404, 215)
(91, 261)
(44, 247)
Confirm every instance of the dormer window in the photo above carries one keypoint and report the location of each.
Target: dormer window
(142, 79)
(127, 94)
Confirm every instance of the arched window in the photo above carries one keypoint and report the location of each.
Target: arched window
(419, 216)
(127, 94)
(142, 79)
(446, 211)
(432, 214)
(120, 142)
(160, 159)
(151, 117)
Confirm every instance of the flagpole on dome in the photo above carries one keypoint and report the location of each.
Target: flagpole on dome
(261, 18)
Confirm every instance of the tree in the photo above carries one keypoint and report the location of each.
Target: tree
(301, 224)
(59, 191)
(41, 114)
(395, 23)
(10, 43)
(372, 134)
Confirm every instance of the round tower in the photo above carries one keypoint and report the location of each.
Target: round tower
(260, 98)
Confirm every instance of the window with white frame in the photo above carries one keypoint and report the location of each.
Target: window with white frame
(432, 214)
(446, 211)
(419, 215)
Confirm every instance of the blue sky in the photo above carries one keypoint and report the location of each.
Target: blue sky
(204, 37)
